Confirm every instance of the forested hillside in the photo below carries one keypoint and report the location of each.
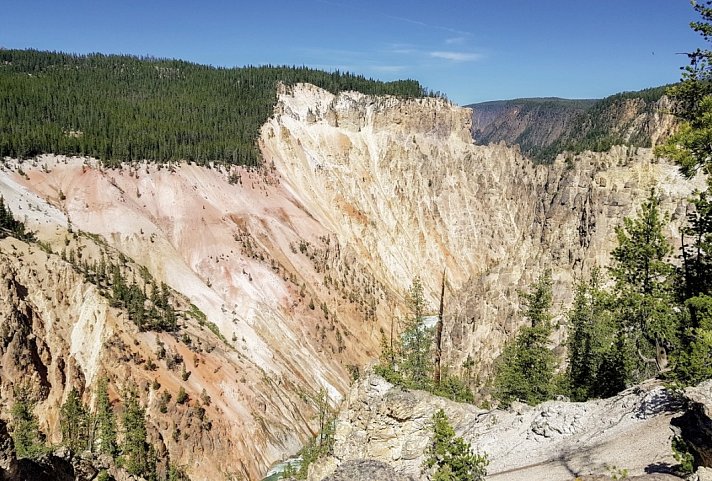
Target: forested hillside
(608, 122)
(121, 108)
(532, 123)
(545, 127)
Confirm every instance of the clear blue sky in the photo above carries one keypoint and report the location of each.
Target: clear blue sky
(472, 50)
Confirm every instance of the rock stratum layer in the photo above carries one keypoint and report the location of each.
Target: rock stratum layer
(297, 266)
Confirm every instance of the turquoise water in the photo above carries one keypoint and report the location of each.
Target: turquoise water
(276, 471)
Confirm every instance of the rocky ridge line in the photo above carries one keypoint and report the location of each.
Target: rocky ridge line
(557, 440)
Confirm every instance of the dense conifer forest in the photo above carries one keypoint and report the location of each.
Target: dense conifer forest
(123, 108)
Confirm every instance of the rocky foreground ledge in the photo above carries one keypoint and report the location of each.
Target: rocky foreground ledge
(383, 432)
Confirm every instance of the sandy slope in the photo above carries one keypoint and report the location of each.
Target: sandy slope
(233, 251)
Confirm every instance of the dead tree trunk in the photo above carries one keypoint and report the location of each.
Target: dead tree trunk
(439, 335)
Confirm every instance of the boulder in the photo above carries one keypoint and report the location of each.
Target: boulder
(695, 425)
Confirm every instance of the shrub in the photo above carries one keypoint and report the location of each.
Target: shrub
(452, 456)
(182, 396)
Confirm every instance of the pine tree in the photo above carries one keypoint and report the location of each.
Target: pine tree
(326, 420)
(74, 422)
(452, 456)
(537, 303)
(25, 427)
(408, 360)
(4, 215)
(135, 449)
(416, 342)
(644, 287)
(693, 364)
(691, 148)
(617, 366)
(697, 247)
(525, 370)
(592, 342)
(118, 286)
(182, 396)
(10, 226)
(105, 420)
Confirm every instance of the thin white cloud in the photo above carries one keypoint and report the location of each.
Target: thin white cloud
(337, 52)
(456, 56)
(455, 40)
(428, 25)
(396, 17)
(403, 51)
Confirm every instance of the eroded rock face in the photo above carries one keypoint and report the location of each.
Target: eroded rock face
(255, 264)
(9, 469)
(402, 184)
(555, 440)
(300, 265)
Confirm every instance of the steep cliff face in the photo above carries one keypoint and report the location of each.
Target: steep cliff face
(418, 197)
(59, 331)
(243, 252)
(299, 265)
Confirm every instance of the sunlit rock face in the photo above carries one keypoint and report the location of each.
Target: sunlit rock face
(387, 424)
(298, 266)
(401, 183)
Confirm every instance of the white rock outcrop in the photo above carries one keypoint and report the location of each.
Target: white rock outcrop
(556, 440)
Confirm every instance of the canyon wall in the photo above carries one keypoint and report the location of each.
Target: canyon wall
(544, 127)
(296, 267)
(402, 184)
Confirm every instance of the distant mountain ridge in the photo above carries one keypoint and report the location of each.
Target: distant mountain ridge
(544, 127)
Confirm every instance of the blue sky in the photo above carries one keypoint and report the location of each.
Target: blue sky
(472, 50)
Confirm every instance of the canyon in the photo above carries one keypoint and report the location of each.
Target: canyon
(285, 276)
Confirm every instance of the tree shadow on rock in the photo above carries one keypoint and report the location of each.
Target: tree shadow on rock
(662, 468)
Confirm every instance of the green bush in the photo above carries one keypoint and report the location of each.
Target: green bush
(681, 453)
(182, 397)
(452, 456)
